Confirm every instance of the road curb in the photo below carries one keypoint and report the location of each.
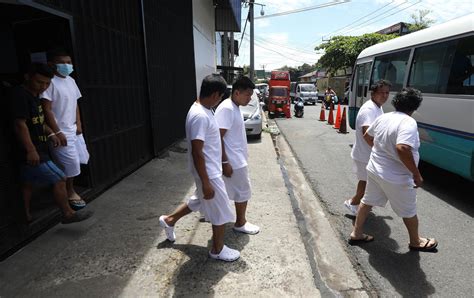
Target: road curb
(322, 243)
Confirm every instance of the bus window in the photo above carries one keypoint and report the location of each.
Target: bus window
(461, 75)
(391, 67)
(431, 67)
(362, 83)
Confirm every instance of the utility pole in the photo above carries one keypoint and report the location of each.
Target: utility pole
(252, 58)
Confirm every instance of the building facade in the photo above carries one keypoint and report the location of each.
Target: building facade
(137, 63)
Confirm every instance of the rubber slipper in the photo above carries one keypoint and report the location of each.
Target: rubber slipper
(247, 228)
(169, 230)
(425, 247)
(77, 217)
(364, 239)
(76, 205)
(226, 254)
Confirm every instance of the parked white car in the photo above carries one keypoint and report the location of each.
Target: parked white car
(253, 117)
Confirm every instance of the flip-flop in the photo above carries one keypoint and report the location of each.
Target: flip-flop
(425, 247)
(366, 238)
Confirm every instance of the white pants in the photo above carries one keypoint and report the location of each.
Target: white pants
(359, 168)
(217, 210)
(67, 157)
(238, 185)
(402, 197)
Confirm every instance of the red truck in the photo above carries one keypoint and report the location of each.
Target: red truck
(279, 94)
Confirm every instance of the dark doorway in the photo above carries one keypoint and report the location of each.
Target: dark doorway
(26, 33)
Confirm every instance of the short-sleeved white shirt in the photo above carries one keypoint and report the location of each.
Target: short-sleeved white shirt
(229, 116)
(63, 94)
(389, 130)
(365, 117)
(201, 125)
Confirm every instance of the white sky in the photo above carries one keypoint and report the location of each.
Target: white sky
(290, 39)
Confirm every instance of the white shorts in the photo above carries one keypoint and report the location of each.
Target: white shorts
(238, 185)
(217, 210)
(402, 197)
(359, 168)
(67, 158)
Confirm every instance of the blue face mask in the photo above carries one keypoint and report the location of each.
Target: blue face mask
(64, 69)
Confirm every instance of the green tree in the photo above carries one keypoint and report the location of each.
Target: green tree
(341, 52)
(420, 20)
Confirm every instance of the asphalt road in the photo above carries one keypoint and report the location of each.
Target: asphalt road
(445, 210)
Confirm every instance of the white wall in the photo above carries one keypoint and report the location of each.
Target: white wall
(204, 40)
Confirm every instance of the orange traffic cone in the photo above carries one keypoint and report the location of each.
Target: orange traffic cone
(343, 124)
(331, 115)
(338, 117)
(322, 115)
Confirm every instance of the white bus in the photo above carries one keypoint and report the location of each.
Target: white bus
(439, 62)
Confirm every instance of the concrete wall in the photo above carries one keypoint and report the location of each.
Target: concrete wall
(204, 40)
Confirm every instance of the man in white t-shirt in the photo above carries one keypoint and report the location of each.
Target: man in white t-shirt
(62, 114)
(392, 171)
(235, 152)
(360, 153)
(205, 155)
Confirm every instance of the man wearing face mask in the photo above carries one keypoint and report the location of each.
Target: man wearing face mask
(62, 114)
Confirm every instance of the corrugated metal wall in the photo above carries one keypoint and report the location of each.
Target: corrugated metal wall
(168, 28)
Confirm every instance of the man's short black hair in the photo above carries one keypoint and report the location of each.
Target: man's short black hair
(243, 83)
(408, 100)
(57, 52)
(211, 84)
(42, 69)
(380, 84)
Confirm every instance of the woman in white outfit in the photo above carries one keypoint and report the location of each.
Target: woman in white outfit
(392, 171)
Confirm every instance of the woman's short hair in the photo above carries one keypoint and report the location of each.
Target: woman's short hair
(407, 100)
(212, 83)
(380, 84)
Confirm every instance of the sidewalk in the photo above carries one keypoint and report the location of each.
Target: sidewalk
(122, 251)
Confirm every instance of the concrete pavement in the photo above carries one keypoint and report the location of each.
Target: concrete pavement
(122, 251)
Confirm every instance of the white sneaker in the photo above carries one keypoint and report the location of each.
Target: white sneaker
(352, 208)
(227, 254)
(248, 228)
(169, 230)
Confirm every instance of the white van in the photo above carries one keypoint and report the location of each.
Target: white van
(307, 92)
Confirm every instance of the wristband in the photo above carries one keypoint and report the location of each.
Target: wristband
(225, 161)
(51, 134)
(58, 132)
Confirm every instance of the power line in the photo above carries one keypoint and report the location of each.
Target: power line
(377, 10)
(304, 51)
(332, 3)
(385, 16)
(279, 53)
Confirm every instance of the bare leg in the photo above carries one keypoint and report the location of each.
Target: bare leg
(240, 209)
(61, 198)
(359, 192)
(181, 211)
(217, 238)
(27, 190)
(415, 239)
(364, 210)
(71, 193)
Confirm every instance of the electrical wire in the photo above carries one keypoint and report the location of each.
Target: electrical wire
(396, 12)
(335, 2)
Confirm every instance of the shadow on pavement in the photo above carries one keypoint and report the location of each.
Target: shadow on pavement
(200, 274)
(449, 187)
(402, 270)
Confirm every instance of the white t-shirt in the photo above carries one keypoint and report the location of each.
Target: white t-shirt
(201, 125)
(63, 94)
(389, 130)
(229, 116)
(366, 116)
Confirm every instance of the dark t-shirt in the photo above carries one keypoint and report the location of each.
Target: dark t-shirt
(24, 105)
